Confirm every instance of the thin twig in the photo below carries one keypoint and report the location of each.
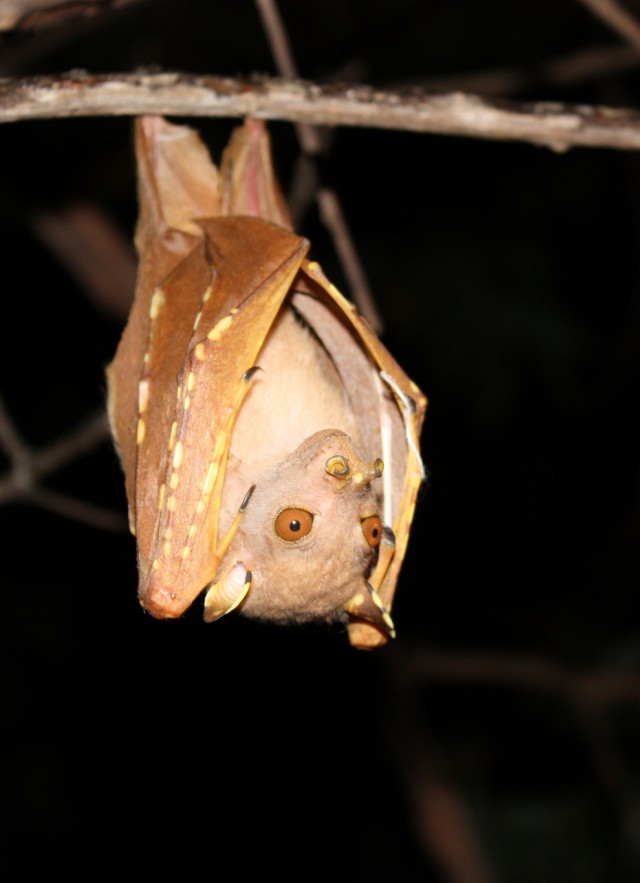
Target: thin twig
(20, 484)
(550, 124)
(94, 251)
(333, 218)
(43, 13)
(93, 430)
(571, 69)
(415, 664)
(590, 693)
(302, 188)
(278, 39)
(10, 439)
(78, 510)
(276, 34)
(617, 18)
(329, 203)
(48, 33)
(12, 12)
(614, 777)
(442, 820)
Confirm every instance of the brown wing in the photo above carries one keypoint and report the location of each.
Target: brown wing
(403, 422)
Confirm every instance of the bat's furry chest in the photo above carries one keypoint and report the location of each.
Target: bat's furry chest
(297, 393)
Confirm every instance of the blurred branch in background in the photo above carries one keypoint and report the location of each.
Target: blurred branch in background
(29, 467)
(46, 26)
(615, 777)
(413, 665)
(97, 255)
(95, 252)
(442, 818)
(617, 18)
(313, 144)
(42, 14)
(563, 71)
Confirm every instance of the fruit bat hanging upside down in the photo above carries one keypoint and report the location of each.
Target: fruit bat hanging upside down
(269, 440)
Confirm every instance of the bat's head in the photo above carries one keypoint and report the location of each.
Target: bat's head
(308, 538)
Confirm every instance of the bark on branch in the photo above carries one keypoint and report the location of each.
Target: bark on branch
(558, 126)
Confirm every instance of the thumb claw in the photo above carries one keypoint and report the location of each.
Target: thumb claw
(225, 595)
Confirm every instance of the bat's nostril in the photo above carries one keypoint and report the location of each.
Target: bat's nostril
(338, 466)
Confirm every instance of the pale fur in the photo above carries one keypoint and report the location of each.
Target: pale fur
(295, 418)
(297, 393)
(316, 576)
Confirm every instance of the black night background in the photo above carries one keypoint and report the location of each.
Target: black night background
(498, 738)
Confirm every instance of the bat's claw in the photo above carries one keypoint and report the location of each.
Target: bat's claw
(368, 606)
(225, 595)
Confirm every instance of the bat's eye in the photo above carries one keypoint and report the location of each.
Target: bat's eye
(372, 530)
(293, 524)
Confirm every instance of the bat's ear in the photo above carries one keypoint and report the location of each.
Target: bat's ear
(177, 181)
(248, 182)
(370, 623)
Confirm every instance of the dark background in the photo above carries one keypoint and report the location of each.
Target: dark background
(508, 280)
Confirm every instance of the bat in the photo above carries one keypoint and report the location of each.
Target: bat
(268, 439)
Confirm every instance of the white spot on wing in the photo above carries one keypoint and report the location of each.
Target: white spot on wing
(218, 330)
(143, 396)
(157, 302)
(178, 454)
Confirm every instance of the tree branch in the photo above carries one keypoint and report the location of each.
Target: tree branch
(558, 126)
(415, 663)
(21, 483)
(43, 13)
(617, 18)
